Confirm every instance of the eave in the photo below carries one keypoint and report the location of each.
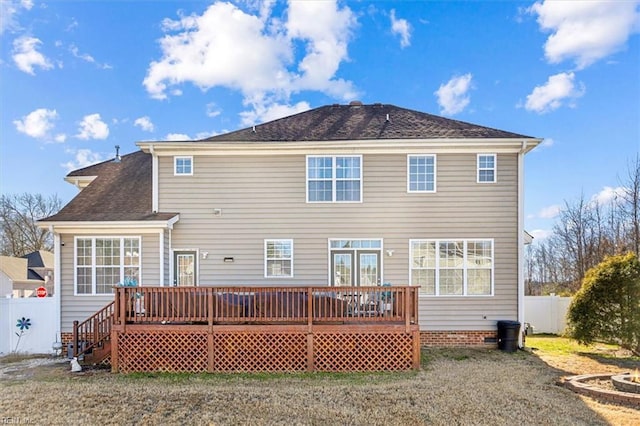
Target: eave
(385, 146)
(80, 182)
(83, 227)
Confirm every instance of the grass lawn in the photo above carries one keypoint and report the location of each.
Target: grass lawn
(454, 387)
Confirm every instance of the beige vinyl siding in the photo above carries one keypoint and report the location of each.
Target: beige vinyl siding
(81, 307)
(264, 198)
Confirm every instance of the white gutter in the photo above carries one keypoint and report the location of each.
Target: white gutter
(140, 224)
(387, 146)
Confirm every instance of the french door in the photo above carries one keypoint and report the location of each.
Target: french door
(355, 268)
(184, 268)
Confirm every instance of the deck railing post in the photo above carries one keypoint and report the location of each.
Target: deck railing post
(121, 294)
(407, 308)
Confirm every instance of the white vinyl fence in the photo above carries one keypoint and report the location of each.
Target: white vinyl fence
(546, 314)
(38, 339)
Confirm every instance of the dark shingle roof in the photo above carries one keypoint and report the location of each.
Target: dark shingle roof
(120, 192)
(361, 122)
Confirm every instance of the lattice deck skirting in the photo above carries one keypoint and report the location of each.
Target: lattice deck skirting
(272, 348)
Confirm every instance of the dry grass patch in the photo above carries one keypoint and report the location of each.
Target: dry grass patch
(455, 386)
(570, 358)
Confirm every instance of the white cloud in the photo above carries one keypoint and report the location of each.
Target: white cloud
(38, 123)
(402, 28)
(8, 11)
(205, 135)
(608, 195)
(26, 55)
(550, 212)
(82, 158)
(60, 138)
(87, 58)
(453, 96)
(540, 234)
(92, 127)
(586, 31)
(144, 123)
(255, 53)
(551, 95)
(264, 113)
(213, 110)
(177, 137)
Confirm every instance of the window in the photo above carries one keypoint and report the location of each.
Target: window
(278, 255)
(486, 168)
(183, 166)
(332, 179)
(421, 173)
(102, 263)
(452, 267)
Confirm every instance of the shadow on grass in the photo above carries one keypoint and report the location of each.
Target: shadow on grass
(631, 363)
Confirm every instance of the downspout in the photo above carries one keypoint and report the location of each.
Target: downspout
(57, 273)
(521, 242)
(154, 180)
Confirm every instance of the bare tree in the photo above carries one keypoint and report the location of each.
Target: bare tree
(19, 234)
(631, 203)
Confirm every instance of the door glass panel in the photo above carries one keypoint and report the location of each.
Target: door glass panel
(342, 269)
(185, 269)
(368, 269)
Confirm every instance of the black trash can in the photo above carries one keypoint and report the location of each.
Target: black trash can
(508, 335)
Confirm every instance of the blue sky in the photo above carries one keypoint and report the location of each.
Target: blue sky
(79, 77)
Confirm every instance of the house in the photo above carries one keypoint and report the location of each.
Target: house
(340, 195)
(21, 276)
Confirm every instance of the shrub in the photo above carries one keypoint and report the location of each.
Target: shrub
(607, 306)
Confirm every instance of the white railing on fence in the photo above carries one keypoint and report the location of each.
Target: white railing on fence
(43, 331)
(546, 314)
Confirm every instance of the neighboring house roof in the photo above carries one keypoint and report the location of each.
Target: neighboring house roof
(362, 122)
(39, 259)
(15, 268)
(121, 191)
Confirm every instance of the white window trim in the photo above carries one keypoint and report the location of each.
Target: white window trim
(266, 259)
(334, 179)
(495, 168)
(93, 262)
(465, 275)
(435, 174)
(175, 164)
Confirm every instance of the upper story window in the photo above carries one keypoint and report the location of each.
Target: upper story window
(278, 258)
(421, 173)
(101, 263)
(334, 179)
(183, 166)
(486, 168)
(452, 267)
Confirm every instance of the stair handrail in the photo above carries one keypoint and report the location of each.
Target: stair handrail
(93, 331)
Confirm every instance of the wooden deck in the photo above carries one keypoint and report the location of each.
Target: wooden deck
(249, 329)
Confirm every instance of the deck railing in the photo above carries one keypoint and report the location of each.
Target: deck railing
(265, 305)
(92, 332)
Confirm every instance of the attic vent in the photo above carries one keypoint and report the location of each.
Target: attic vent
(355, 103)
(388, 118)
(118, 158)
(253, 129)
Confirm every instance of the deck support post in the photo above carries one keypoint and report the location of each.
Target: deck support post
(75, 339)
(210, 357)
(114, 351)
